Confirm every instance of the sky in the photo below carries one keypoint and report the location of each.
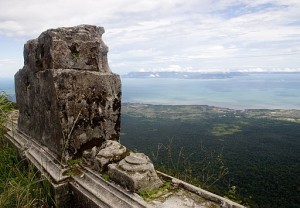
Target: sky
(165, 35)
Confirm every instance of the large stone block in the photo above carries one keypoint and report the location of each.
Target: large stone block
(68, 98)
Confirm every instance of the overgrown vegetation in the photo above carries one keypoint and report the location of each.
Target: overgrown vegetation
(20, 183)
(178, 164)
(5, 107)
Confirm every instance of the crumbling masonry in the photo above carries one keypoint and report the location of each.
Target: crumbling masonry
(68, 98)
(70, 102)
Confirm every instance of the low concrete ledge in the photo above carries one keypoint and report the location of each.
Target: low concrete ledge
(85, 187)
(39, 155)
(223, 202)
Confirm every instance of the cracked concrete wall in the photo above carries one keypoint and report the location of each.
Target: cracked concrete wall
(68, 98)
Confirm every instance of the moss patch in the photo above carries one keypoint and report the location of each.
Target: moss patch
(150, 195)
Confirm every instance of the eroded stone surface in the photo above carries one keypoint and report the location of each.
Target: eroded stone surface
(68, 98)
(111, 151)
(135, 172)
(180, 198)
(78, 47)
(133, 159)
(89, 156)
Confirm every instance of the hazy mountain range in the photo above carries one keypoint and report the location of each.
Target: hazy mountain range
(183, 75)
(192, 75)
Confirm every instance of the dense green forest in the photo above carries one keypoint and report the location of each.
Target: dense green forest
(250, 156)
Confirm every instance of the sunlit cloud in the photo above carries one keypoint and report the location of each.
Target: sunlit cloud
(158, 34)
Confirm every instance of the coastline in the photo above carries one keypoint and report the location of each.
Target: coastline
(196, 111)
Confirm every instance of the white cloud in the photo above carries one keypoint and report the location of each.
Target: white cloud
(177, 68)
(270, 70)
(8, 67)
(161, 34)
(170, 68)
(137, 53)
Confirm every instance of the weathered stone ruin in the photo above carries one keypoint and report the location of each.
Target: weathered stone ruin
(68, 98)
(70, 101)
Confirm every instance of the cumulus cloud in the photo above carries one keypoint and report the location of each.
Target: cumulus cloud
(270, 70)
(170, 68)
(161, 34)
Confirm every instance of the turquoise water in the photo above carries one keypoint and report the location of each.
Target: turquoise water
(271, 91)
(256, 91)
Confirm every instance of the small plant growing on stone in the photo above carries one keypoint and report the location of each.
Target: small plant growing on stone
(105, 176)
(74, 162)
(73, 167)
(74, 52)
(149, 195)
(75, 57)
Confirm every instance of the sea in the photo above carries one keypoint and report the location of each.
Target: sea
(248, 91)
